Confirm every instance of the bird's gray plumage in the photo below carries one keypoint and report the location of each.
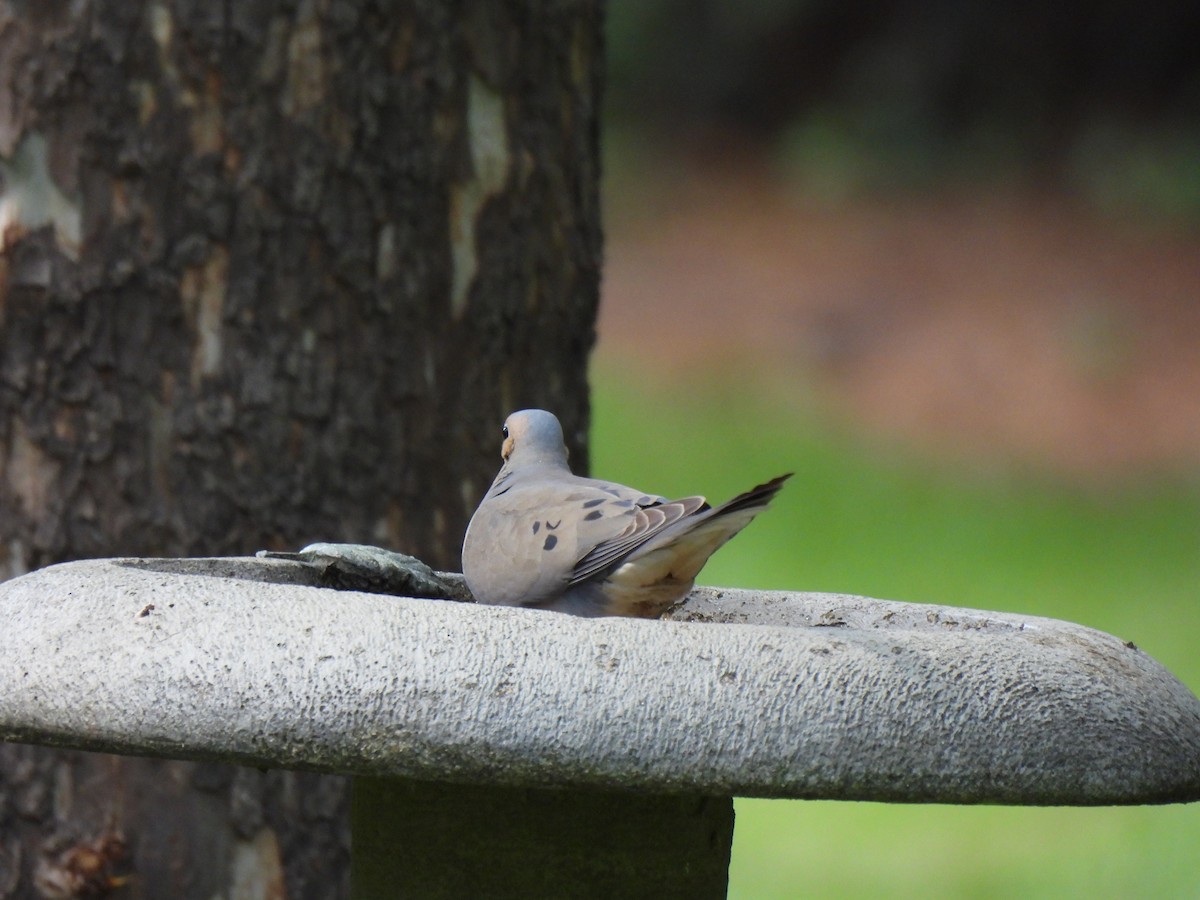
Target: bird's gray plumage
(547, 538)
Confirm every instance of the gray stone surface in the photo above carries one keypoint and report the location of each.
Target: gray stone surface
(793, 695)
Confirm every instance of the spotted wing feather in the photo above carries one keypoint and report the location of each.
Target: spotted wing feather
(645, 525)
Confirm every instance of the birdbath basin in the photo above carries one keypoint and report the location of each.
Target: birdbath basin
(564, 751)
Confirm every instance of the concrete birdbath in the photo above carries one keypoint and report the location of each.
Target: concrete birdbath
(516, 752)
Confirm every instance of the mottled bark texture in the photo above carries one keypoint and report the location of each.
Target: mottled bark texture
(272, 272)
(93, 825)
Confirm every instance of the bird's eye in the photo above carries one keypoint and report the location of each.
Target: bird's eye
(504, 430)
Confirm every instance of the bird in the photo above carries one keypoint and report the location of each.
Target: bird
(546, 538)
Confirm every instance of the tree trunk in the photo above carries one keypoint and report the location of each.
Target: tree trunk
(270, 272)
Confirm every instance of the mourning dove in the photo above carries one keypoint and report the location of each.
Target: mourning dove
(546, 538)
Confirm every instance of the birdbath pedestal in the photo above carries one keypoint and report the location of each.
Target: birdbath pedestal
(512, 752)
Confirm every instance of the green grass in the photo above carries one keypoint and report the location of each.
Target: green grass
(885, 523)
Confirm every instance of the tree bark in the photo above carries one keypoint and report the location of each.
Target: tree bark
(271, 272)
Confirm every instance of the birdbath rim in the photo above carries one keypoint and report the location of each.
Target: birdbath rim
(771, 694)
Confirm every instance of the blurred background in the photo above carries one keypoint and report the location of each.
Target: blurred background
(942, 260)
